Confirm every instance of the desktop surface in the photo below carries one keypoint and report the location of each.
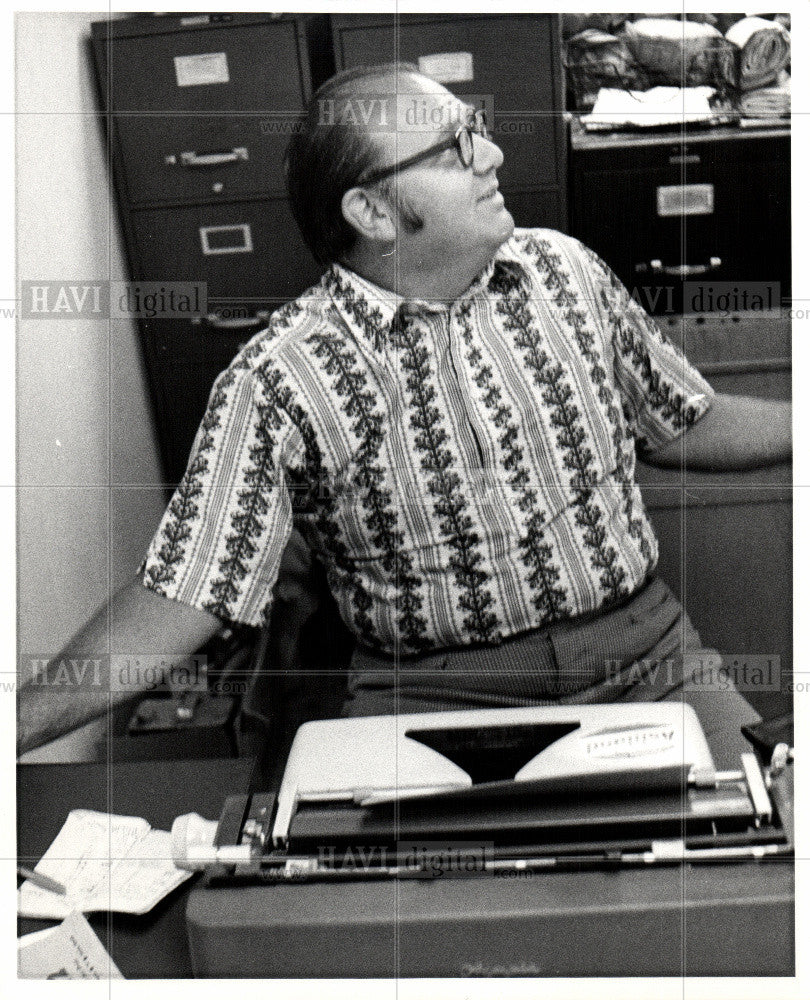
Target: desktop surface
(154, 945)
(732, 919)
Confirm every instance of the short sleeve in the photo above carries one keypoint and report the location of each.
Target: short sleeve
(220, 541)
(662, 393)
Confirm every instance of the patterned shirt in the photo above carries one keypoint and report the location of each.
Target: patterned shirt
(464, 471)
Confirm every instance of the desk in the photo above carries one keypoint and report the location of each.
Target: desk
(721, 920)
(154, 945)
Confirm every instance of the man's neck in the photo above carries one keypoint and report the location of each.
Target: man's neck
(410, 279)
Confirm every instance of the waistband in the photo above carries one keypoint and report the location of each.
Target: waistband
(543, 664)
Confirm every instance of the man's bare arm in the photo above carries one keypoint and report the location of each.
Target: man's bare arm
(137, 623)
(737, 433)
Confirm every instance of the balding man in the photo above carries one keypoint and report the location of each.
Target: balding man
(451, 418)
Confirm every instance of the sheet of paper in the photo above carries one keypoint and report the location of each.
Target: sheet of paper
(105, 862)
(70, 951)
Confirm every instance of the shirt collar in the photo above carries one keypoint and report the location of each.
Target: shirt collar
(371, 311)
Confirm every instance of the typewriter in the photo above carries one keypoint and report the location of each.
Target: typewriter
(514, 789)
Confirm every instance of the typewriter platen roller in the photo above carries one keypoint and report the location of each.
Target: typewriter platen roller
(533, 788)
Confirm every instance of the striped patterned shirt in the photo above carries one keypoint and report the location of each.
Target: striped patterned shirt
(464, 471)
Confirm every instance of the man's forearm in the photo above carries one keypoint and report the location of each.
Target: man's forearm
(77, 685)
(737, 433)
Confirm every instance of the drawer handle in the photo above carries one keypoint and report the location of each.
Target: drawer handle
(234, 324)
(191, 159)
(684, 158)
(679, 270)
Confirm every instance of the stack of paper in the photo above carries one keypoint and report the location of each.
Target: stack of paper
(105, 862)
(655, 107)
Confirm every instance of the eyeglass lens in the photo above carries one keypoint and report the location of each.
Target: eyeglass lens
(476, 125)
(465, 147)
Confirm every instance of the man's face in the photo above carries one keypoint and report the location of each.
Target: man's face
(461, 208)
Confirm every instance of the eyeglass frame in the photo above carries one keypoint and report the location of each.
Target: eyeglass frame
(476, 124)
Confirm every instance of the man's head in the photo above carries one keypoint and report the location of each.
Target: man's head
(371, 119)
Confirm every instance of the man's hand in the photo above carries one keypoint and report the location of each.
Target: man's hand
(737, 433)
(136, 623)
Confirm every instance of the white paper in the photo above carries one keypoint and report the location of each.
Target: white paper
(207, 67)
(70, 951)
(447, 67)
(116, 863)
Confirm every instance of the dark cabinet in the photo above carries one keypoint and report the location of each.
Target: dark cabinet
(200, 109)
(683, 219)
(672, 213)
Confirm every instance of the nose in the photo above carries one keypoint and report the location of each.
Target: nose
(486, 155)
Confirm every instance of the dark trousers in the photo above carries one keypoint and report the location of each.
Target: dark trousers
(645, 649)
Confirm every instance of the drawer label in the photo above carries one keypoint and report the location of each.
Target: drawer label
(447, 67)
(207, 67)
(226, 239)
(686, 199)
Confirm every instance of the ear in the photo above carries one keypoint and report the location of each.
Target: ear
(370, 214)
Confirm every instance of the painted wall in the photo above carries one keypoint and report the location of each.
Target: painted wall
(89, 494)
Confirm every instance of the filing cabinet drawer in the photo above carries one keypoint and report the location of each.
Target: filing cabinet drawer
(207, 93)
(170, 159)
(513, 58)
(742, 238)
(241, 250)
(216, 69)
(187, 359)
(674, 219)
(621, 209)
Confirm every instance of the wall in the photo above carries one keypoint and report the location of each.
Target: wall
(89, 494)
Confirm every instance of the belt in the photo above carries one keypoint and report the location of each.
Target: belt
(540, 665)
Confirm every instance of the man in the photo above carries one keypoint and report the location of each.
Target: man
(451, 418)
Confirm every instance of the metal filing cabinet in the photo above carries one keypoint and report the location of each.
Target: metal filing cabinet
(512, 61)
(199, 107)
(701, 207)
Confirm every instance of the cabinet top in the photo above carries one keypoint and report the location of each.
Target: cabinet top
(581, 140)
(158, 24)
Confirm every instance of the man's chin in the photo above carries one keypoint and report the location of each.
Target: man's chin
(509, 223)
(506, 226)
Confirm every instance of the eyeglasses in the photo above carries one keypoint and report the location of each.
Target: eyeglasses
(462, 141)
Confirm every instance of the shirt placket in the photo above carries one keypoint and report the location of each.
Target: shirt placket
(460, 370)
